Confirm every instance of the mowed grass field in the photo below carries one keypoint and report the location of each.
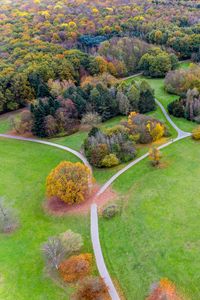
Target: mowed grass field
(23, 170)
(157, 233)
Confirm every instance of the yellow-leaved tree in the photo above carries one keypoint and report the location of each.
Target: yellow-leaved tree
(69, 182)
(156, 130)
(154, 156)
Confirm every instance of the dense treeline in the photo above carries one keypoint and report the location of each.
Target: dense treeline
(61, 111)
(86, 24)
(38, 41)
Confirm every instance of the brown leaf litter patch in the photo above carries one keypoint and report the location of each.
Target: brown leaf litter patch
(56, 207)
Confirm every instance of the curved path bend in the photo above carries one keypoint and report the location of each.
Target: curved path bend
(76, 153)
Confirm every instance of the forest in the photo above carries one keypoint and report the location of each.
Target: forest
(70, 40)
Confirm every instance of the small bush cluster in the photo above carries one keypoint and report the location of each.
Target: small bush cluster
(62, 254)
(110, 211)
(164, 289)
(92, 288)
(144, 129)
(62, 246)
(69, 182)
(76, 267)
(110, 147)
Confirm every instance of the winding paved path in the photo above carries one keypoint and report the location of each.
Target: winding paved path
(94, 210)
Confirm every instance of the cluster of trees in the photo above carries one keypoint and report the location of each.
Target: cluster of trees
(25, 74)
(122, 55)
(187, 107)
(115, 145)
(145, 129)
(125, 56)
(64, 104)
(186, 84)
(50, 116)
(135, 96)
(62, 254)
(180, 81)
(110, 147)
(156, 62)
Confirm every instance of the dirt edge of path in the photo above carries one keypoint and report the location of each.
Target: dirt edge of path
(58, 208)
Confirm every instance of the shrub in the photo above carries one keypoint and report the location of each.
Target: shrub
(92, 288)
(24, 123)
(69, 182)
(109, 161)
(196, 133)
(75, 267)
(110, 211)
(98, 153)
(164, 289)
(53, 252)
(91, 119)
(176, 108)
(72, 242)
(154, 156)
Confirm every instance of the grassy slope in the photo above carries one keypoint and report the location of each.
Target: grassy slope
(24, 167)
(158, 232)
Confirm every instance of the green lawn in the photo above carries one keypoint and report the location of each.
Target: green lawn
(75, 141)
(5, 125)
(24, 167)
(158, 232)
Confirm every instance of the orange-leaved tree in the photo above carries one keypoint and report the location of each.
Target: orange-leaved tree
(76, 267)
(69, 182)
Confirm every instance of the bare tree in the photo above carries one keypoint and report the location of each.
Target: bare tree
(53, 251)
(8, 218)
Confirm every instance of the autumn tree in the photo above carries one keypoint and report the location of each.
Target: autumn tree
(92, 288)
(155, 156)
(164, 289)
(76, 267)
(69, 182)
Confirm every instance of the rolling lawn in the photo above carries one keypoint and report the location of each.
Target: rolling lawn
(157, 233)
(23, 170)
